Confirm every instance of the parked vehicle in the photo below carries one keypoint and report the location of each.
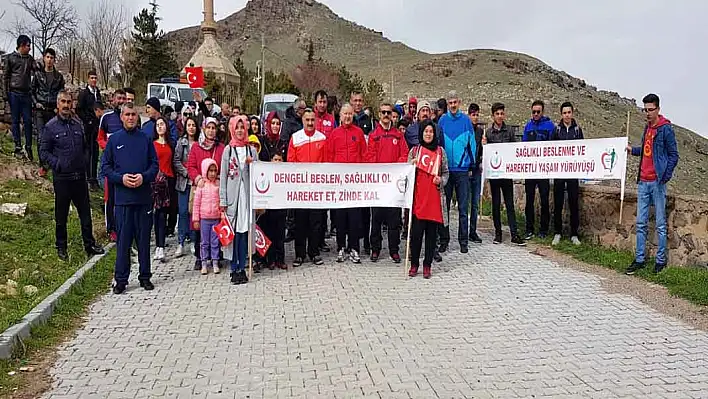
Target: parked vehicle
(170, 90)
(278, 102)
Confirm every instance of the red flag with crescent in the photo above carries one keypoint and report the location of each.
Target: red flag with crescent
(195, 77)
(262, 242)
(429, 161)
(224, 231)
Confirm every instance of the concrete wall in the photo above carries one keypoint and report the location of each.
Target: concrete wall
(599, 221)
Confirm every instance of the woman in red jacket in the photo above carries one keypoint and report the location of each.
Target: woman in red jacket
(163, 192)
(207, 147)
(428, 199)
(346, 144)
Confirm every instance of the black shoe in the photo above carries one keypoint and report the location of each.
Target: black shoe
(30, 156)
(62, 254)
(147, 285)
(119, 288)
(659, 267)
(298, 262)
(443, 248)
(374, 256)
(542, 235)
(475, 238)
(95, 250)
(518, 241)
(634, 267)
(243, 278)
(527, 237)
(197, 265)
(497, 238)
(324, 248)
(396, 258)
(19, 154)
(437, 257)
(235, 278)
(317, 260)
(367, 251)
(464, 249)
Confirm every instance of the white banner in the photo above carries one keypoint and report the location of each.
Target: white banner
(600, 159)
(284, 185)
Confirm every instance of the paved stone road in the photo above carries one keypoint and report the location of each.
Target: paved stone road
(497, 322)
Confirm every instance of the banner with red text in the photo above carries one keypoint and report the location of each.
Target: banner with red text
(598, 159)
(285, 185)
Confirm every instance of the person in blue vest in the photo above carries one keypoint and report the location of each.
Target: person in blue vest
(539, 128)
(130, 164)
(461, 148)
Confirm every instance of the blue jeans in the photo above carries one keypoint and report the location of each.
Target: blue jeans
(21, 105)
(184, 227)
(651, 193)
(475, 188)
(459, 182)
(238, 262)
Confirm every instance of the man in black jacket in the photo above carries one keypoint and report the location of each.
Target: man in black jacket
(475, 172)
(63, 149)
(292, 123)
(18, 86)
(47, 82)
(88, 97)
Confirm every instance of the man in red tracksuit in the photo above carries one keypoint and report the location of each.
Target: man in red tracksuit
(325, 123)
(347, 144)
(386, 145)
(308, 145)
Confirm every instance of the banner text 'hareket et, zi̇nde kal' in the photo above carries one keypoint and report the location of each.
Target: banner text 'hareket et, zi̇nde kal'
(282, 185)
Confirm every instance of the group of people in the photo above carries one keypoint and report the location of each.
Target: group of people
(190, 170)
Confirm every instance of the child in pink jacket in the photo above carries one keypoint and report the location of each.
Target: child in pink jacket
(206, 214)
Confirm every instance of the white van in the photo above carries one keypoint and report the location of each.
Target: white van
(278, 102)
(169, 92)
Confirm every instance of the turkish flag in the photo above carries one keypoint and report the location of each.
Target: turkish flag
(195, 77)
(262, 242)
(225, 232)
(429, 161)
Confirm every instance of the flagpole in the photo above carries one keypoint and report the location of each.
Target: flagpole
(408, 240)
(250, 223)
(624, 173)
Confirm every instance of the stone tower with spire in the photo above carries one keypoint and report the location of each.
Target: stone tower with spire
(210, 56)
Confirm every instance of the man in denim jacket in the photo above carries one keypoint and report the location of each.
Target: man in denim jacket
(659, 156)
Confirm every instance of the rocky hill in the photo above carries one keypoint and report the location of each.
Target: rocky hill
(482, 76)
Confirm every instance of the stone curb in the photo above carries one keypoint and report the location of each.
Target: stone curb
(44, 310)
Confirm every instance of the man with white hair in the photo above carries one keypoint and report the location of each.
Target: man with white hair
(461, 148)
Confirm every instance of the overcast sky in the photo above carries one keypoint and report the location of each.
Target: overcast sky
(631, 47)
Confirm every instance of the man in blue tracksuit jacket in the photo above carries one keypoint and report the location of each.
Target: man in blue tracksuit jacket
(539, 128)
(130, 164)
(460, 146)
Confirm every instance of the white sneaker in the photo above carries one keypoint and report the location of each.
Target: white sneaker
(575, 240)
(215, 266)
(556, 239)
(160, 253)
(354, 256)
(157, 254)
(180, 251)
(193, 250)
(340, 256)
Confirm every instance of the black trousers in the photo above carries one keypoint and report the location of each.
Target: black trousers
(110, 206)
(349, 227)
(323, 230)
(392, 218)
(273, 225)
(308, 224)
(172, 209)
(366, 227)
(544, 188)
(505, 187)
(92, 152)
(41, 117)
(65, 193)
(559, 188)
(420, 228)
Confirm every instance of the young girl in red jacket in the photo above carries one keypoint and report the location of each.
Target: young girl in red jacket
(428, 199)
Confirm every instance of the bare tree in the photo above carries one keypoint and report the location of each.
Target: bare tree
(103, 36)
(49, 21)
